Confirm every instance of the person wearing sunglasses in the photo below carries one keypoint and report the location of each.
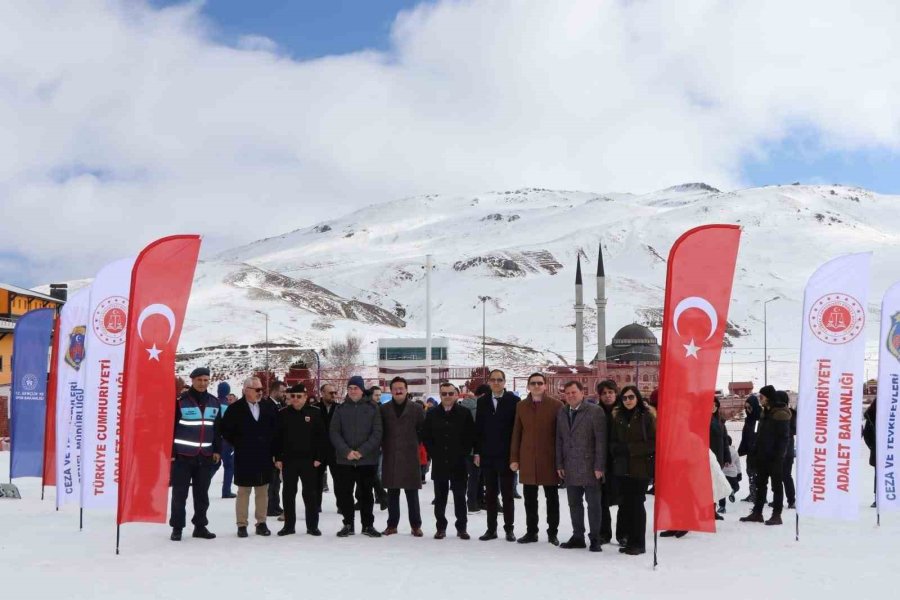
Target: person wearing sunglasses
(299, 449)
(532, 454)
(249, 426)
(494, 421)
(327, 404)
(448, 435)
(633, 447)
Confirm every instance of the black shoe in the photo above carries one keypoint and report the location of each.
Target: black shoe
(605, 539)
(490, 534)
(528, 538)
(356, 506)
(873, 505)
(242, 531)
(719, 517)
(314, 531)
(595, 545)
(286, 531)
(678, 535)
(791, 506)
(721, 510)
(176, 534)
(274, 513)
(371, 532)
(262, 530)
(749, 498)
(510, 536)
(753, 517)
(623, 541)
(731, 497)
(517, 495)
(463, 535)
(382, 505)
(634, 551)
(228, 495)
(667, 533)
(346, 530)
(203, 533)
(551, 537)
(573, 543)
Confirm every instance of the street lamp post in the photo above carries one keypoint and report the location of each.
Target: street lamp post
(765, 340)
(484, 300)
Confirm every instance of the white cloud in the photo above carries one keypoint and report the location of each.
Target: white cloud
(122, 122)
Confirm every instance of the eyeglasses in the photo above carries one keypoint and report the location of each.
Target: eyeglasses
(535, 383)
(256, 389)
(296, 395)
(629, 397)
(447, 394)
(496, 380)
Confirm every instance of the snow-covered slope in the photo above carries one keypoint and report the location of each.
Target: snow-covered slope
(364, 272)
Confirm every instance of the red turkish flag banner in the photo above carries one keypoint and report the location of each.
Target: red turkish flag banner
(49, 474)
(698, 291)
(160, 287)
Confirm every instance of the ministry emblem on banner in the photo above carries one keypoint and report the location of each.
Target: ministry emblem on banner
(75, 351)
(837, 318)
(109, 320)
(893, 337)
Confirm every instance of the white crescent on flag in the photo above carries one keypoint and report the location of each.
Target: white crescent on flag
(693, 302)
(157, 309)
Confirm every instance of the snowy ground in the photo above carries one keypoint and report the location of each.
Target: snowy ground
(45, 556)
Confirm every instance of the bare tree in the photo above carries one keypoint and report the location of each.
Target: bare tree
(344, 354)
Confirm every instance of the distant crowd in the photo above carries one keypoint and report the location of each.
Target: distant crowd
(478, 448)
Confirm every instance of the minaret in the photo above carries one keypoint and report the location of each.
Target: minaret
(579, 316)
(601, 308)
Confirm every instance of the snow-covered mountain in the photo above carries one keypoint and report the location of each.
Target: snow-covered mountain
(364, 272)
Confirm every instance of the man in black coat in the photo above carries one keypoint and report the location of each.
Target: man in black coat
(299, 449)
(448, 435)
(752, 414)
(494, 421)
(767, 455)
(327, 404)
(196, 452)
(249, 426)
(607, 391)
(276, 397)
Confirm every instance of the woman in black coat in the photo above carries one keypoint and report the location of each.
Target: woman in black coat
(768, 456)
(752, 414)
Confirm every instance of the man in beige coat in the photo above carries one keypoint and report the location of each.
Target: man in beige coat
(533, 454)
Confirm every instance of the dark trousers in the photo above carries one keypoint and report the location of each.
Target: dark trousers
(632, 522)
(442, 488)
(499, 480)
(194, 473)
(362, 478)
(412, 506)
(474, 488)
(787, 476)
(606, 532)
(575, 494)
(551, 495)
(764, 473)
(308, 476)
(227, 467)
(275, 491)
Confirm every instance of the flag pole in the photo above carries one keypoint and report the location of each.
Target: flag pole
(118, 533)
(796, 527)
(655, 562)
(80, 519)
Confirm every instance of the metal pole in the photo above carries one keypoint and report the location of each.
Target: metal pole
(765, 345)
(427, 325)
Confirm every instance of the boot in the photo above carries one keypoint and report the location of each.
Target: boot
(754, 517)
(203, 533)
(551, 537)
(490, 534)
(262, 530)
(775, 519)
(176, 534)
(573, 543)
(371, 532)
(511, 536)
(242, 531)
(595, 544)
(528, 538)
(286, 531)
(346, 530)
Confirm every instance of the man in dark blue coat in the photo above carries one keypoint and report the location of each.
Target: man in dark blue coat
(196, 451)
(249, 426)
(494, 421)
(223, 393)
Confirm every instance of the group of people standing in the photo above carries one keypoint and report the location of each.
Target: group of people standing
(602, 454)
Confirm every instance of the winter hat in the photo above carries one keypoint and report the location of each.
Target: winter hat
(298, 388)
(223, 390)
(780, 399)
(357, 381)
(200, 372)
(768, 391)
